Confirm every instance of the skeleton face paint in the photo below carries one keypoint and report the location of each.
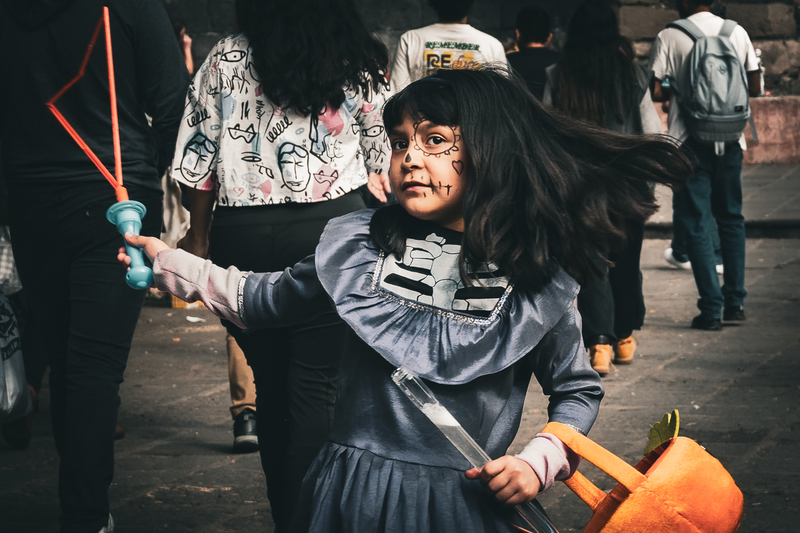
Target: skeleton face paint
(428, 171)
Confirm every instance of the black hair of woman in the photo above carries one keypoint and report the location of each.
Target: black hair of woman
(306, 52)
(596, 73)
(543, 190)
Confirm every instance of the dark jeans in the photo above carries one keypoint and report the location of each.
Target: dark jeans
(66, 252)
(678, 244)
(295, 368)
(714, 192)
(614, 307)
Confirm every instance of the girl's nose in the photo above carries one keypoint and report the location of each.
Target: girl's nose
(412, 158)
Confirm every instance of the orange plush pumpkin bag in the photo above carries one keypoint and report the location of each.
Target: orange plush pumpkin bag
(678, 487)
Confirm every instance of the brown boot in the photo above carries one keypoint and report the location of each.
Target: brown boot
(600, 357)
(624, 350)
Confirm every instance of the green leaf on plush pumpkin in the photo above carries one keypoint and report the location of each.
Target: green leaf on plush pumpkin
(662, 431)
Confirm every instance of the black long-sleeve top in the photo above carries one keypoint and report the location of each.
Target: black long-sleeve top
(43, 43)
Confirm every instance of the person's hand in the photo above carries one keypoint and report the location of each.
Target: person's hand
(378, 185)
(150, 245)
(512, 480)
(194, 243)
(186, 42)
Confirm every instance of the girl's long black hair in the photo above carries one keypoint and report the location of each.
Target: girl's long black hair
(596, 74)
(543, 190)
(306, 52)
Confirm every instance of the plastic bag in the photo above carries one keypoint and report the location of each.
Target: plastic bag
(15, 398)
(9, 277)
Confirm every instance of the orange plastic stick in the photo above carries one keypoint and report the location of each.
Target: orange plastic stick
(112, 90)
(121, 192)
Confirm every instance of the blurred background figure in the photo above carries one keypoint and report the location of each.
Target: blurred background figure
(64, 246)
(184, 42)
(510, 45)
(176, 225)
(598, 81)
(533, 34)
(450, 43)
(282, 128)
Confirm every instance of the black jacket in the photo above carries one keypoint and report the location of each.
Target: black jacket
(44, 43)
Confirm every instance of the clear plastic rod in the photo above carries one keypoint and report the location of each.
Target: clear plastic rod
(421, 396)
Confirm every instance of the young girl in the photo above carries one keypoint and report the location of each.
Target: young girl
(467, 282)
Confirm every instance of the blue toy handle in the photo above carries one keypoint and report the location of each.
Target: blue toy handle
(127, 216)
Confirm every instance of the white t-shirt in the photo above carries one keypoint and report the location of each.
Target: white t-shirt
(422, 51)
(262, 154)
(672, 46)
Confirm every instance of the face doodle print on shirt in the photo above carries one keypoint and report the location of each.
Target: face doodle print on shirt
(428, 274)
(294, 164)
(198, 154)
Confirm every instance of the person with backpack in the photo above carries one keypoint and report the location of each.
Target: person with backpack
(706, 68)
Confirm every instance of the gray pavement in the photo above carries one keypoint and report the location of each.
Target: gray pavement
(770, 200)
(737, 390)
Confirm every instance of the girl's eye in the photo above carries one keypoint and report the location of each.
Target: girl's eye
(399, 145)
(436, 139)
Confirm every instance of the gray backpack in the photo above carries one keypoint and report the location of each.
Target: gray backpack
(712, 95)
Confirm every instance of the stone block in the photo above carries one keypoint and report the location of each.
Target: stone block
(793, 49)
(642, 48)
(764, 20)
(642, 22)
(774, 55)
(776, 119)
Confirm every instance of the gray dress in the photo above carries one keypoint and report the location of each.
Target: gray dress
(386, 467)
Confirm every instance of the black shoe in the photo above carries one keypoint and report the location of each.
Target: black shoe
(733, 312)
(245, 438)
(706, 322)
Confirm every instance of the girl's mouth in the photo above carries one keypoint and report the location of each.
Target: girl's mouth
(414, 185)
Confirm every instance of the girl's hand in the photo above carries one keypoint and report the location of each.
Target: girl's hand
(512, 480)
(378, 185)
(151, 247)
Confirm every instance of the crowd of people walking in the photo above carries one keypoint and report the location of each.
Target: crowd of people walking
(506, 186)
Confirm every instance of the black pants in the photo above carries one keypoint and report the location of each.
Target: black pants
(295, 368)
(614, 307)
(66, 253)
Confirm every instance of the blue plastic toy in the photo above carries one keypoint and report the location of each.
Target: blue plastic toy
(127, 216)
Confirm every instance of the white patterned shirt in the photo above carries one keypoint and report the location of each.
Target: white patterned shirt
(234, 140)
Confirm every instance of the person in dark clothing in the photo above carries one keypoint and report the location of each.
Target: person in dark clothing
(599, 82)
(64, 246)
(533, 35)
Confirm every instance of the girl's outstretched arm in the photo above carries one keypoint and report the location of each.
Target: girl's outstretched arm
(247, 299)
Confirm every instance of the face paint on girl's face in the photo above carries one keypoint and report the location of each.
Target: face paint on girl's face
(428, 171)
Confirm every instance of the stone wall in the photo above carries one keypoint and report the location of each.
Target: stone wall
(771, 24)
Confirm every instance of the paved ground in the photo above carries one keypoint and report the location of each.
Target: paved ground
(737, 390)
(770, 200)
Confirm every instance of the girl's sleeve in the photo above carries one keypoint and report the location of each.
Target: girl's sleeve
(197, 147)
(562, 367)
(249, 300)
(374, 139)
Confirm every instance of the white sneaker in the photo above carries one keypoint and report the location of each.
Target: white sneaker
(669, 258)
(720, 270)
(110, 527)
